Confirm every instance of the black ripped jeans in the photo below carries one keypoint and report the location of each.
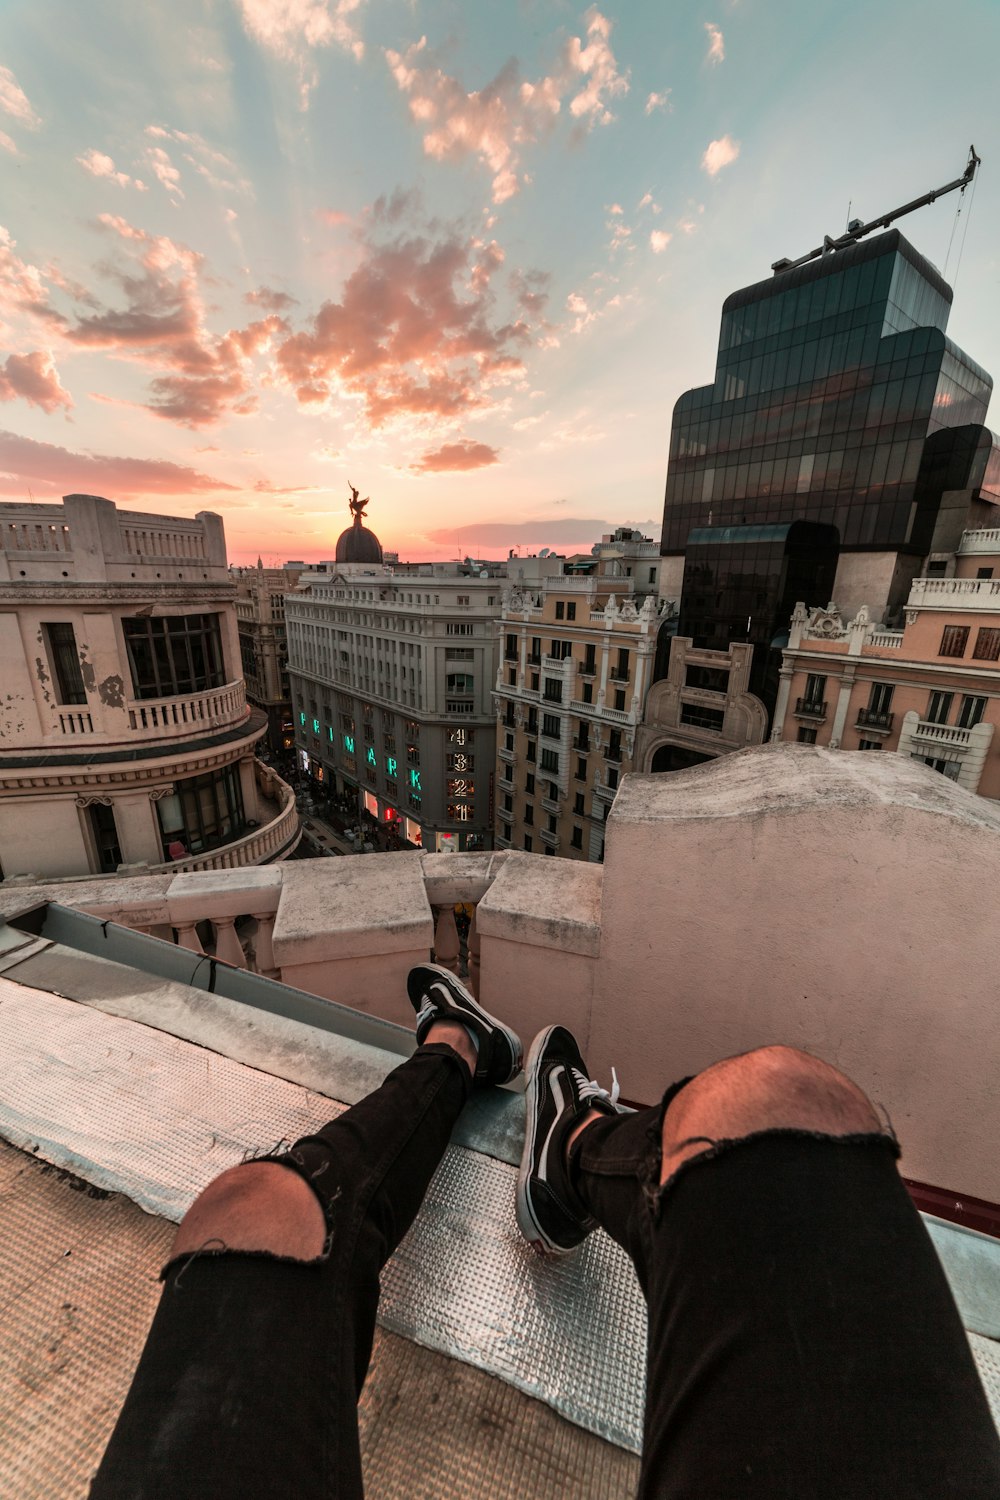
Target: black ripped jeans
(803, 1339)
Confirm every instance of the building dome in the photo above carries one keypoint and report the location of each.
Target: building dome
(358, 545)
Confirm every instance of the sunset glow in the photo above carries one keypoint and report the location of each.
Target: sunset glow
(467, 256)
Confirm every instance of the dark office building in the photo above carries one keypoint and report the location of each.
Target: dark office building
(837, 400)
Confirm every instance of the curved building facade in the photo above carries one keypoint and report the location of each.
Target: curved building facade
(125, 734)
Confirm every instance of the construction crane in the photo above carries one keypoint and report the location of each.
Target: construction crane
(856, 230)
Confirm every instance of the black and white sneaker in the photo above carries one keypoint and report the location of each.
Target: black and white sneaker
(549, 1212)
(436, 995)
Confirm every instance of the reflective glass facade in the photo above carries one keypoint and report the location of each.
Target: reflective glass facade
(830, 377)
(741, 583)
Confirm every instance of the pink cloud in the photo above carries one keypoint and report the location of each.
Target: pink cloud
(99, 165)
(719, 154)
(658, 101)
(6, 144)
(14, 101)
(33, 377)
(496, 122)
(415, 332)
(293, 29)
(164, 170)
(269, 299)
(333, 217)
(456, 457)
(59, 470)
(659, 240)
(716, 43)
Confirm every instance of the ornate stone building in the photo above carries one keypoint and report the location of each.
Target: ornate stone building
(125, 734)
(578, 638)
(930, 691)
(260, 616)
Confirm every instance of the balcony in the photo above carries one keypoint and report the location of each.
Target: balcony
(549, 837)
(550, 805)
(273, 840)
(871, 718)
(951, 594)
(605, 793)
(506, 815)
(180, 718)
(942, 734)
(553, 941)
(614, 752)
(582, 744)
(508, 756)
(587, 669)
(806, 708)
(985, 540)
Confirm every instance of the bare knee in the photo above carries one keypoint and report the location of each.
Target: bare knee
(257, 1206)
(771, 1088)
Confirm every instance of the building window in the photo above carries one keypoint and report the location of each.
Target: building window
(105, 836)
(880, 698)
(512, 677)
(536, 651)
(458, 627)
(459, 812)
(700, 717)
(459, 786)
(578, 805)
(949, 768)
(581, 769)
(560, 610)
(612, 779)
(815, 690)
(570, 610)
(460, 762)
(971, 712)
(201, 813)
(561, 649)
(529, 784)
(807, 736)
(531, 752)
(460, 682)
(550, 726)
(620, 672)
(939, 708)
(552, 691)
(529, 814)
(577, 838)
(550, 761)
(869, 744)
(510, 649)
(508, 802)
(954, 639)
(65, 660)
(553, 823)
(987, 647)
(172, 655)
(589, 667)
(527, 843)
(619, 700)
(464, 598)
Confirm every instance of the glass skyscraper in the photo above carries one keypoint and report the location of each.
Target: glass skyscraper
(831, 383)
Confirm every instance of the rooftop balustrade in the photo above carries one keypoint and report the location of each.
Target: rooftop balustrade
(684, 946)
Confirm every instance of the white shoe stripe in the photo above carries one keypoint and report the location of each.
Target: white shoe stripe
(554, 1085)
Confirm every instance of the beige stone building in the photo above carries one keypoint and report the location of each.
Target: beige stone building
(260, 617)
(125, 734)
(930, 690)
(578, 637)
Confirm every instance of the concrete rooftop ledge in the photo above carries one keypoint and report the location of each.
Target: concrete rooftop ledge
(778, 779)
(548, 903)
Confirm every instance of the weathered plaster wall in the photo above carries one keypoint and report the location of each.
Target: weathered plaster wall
(831, 901)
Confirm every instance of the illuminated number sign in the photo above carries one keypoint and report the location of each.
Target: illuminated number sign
(460, 762)
(415, 781)
(460, 788)
(390, 766)
(457, 736)
(349, 743)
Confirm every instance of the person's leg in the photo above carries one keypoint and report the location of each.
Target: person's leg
(250, 1377)
(803, 1338)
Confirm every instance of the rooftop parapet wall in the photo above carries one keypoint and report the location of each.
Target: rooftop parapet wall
(830, 901)
(835, 902)
(87, 539)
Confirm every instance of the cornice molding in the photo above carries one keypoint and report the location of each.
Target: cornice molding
(47, 592)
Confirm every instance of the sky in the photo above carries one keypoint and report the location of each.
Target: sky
(465, 256)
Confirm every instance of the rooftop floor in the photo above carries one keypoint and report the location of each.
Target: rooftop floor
(137, 1090)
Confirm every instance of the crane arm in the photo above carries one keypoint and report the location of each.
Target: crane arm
(855, 234)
